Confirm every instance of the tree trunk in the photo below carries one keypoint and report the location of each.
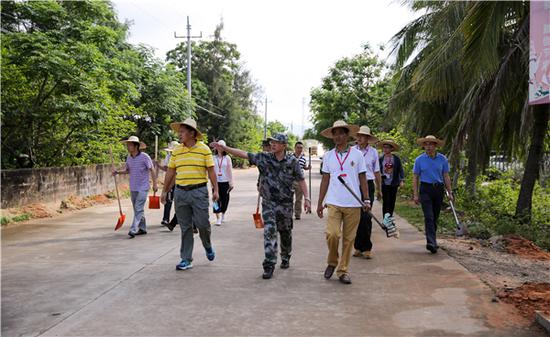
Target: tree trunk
(541, 113)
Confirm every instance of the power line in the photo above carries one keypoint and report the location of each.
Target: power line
(210, 112)
(205, 101)
(188, 37)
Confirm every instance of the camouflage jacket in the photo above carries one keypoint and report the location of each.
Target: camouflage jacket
(276, 177)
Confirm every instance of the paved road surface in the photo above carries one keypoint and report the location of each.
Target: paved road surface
(74, 276)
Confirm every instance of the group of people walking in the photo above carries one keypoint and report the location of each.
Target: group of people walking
(282, 187)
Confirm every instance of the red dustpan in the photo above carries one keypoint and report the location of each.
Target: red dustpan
(154, 201)
(258, 221)
(122, 216)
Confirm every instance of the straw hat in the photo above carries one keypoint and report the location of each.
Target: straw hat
(340, 124)
(134, 139)
(430, 138)
(171, 146)
(365, 130)
(390, 142)
(189, 122)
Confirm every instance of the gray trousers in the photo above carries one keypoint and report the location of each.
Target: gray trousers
(192, 208)
(138, 202)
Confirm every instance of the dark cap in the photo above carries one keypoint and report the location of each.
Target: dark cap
(280, 138)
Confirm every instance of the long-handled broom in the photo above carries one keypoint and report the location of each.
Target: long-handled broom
(122, 216)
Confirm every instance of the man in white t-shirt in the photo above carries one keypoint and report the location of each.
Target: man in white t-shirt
(344, 210)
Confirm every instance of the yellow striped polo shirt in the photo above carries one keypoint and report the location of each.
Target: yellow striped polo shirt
(191, 163)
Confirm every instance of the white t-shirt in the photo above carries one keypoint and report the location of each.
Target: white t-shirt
(167, 159)
(350, 164)
(221, 167)
(371, 160)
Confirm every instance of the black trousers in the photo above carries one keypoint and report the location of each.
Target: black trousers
(431, 198)
(168, 204)
(223, 191)
(362, 238)
(389, 194)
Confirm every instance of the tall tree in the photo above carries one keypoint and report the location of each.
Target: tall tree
(356, 89)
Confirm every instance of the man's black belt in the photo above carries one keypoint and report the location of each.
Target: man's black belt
(431, 184)
(190, 187)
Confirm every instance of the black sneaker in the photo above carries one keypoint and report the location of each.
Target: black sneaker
(141, 232)
(268, 272)
(131, 234)
(285, 264)
(164, 223)
(431, 248)
(329, 271)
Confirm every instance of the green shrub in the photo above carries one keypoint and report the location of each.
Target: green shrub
(21, 217)
(4, 220)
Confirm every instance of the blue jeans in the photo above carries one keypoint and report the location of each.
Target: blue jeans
(138, 202)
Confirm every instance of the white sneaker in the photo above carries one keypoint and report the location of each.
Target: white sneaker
(223, 218)
(218, 222)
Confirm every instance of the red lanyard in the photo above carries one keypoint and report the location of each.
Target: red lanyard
(220, 163)
(342, 162)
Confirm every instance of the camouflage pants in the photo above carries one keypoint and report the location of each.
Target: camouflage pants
(277, 218)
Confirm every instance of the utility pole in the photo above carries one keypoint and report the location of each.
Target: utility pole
(188, 37)
(265, 119)
(303, 105)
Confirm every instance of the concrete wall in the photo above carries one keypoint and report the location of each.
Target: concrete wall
(52, 184)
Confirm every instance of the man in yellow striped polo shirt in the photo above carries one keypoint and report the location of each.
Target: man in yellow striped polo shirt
(189, 168)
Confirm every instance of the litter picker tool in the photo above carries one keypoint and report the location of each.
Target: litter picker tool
(122, 216)
(388, 226)
(258, 221)
(460, 229)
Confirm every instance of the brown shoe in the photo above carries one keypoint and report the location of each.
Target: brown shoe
(329, 271)
(357, 253)
(367, 255)
(345, 279)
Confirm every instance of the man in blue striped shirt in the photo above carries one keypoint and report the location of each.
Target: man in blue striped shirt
(298, 195)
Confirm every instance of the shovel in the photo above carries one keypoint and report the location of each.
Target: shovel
(460, 229)
(122, 216)
(388, 227)
(258, 221)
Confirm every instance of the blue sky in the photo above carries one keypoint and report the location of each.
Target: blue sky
(287, 45)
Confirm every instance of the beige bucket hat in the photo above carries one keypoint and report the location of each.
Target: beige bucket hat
(340, 124)
(365, 130)
(390, 142)
(430, 138)
(189, 122)
(135, 139)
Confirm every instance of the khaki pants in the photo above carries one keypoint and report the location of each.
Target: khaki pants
(342, 222)
(298, 196)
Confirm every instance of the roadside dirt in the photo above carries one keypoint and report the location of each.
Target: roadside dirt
(515, 268)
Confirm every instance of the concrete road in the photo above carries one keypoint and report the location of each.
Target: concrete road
(74, 276)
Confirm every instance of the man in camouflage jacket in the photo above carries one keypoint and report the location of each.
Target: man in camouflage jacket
(278, 171)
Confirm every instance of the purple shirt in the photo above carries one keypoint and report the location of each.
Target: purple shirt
(139, 167)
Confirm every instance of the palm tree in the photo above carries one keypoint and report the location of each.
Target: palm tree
(471, 62)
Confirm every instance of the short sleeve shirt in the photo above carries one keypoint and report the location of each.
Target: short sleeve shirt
(370, 155)
(221, 167)
(277, 176)
(348, 165)
(431, 170)
(191, 164)
(138, 168)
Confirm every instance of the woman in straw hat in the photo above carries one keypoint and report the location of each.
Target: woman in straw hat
(190, 167)
(170, 195)
(431, 169)
(344, 211)
(139, 165)
(392, 174)
(363, 243)
(224, 172)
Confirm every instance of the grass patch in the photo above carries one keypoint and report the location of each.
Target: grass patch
(21, 217)
(4, 220)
